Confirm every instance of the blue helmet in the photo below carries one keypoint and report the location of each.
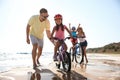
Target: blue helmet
(73, 28)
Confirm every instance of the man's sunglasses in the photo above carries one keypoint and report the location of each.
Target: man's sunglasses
(45, 17)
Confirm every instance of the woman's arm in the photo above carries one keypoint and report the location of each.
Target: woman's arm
(78, 27)
(84, 35)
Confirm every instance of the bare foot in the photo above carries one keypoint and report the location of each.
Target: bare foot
(38, 63)
(86, 61)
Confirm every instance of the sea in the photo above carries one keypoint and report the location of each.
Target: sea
(14, 60)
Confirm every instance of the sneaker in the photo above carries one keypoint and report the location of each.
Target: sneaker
(55, 58)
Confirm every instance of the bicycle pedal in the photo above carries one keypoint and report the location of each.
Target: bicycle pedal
(55, 60)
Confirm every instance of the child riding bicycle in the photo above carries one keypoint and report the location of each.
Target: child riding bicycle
(59, 30)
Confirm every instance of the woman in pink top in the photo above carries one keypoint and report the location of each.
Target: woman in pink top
(59, 33)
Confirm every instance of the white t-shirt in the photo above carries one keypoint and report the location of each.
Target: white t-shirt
(81, 39)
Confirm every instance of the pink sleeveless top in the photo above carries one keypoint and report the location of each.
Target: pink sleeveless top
(60, 34)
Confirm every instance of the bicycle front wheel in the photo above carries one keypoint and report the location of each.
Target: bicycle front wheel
(71, 54)
(66, 63)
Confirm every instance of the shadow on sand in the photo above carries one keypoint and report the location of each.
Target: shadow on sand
(72, 76)
(46, 74)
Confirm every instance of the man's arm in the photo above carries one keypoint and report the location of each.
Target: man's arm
(48, 34)
(27, 33)
(51, 35)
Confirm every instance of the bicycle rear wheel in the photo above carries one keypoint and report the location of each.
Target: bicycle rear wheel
(66, 63)
(78, 55)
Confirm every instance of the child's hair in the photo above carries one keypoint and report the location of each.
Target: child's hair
(59, 16)
(58, 26)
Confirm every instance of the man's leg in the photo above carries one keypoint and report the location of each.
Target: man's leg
(34, 55)
(40, 47)
(39, 54)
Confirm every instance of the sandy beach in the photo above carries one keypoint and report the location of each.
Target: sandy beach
(104, 68)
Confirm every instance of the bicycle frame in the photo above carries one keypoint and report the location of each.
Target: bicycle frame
(63, 56)
(61, 52)
(77, 46)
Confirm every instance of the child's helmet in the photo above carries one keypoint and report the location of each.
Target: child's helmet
(73, 28)
(58, 16)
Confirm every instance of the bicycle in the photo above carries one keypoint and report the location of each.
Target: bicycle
(76, 52)
(63, 56)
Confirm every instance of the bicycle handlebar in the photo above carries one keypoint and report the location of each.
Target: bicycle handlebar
(60, 39)
(54, 38)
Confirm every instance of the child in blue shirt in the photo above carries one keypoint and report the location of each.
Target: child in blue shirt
(74, 35)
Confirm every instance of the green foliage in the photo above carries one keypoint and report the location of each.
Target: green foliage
(113, 47)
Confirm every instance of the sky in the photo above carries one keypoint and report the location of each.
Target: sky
(100, 20)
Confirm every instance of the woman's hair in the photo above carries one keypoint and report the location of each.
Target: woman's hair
(58, 26)
(80, 28)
